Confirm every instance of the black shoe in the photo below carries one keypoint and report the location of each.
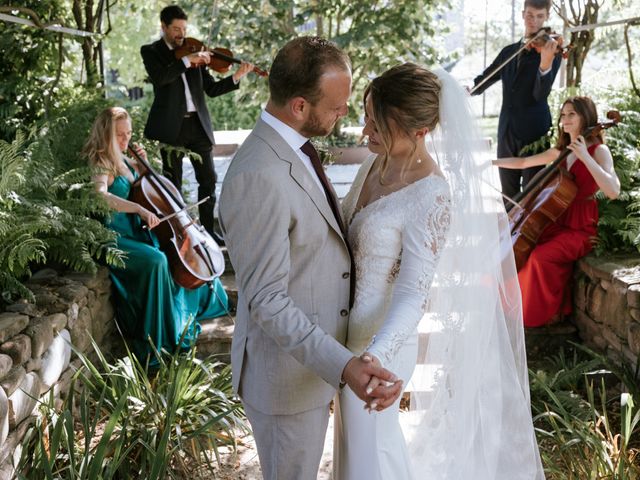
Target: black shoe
(218, 239)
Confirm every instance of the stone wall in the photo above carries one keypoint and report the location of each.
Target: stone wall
(607, 306)
(35, 347)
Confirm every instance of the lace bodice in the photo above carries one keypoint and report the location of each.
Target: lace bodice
(396, 242)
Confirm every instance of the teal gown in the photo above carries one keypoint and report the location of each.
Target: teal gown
(148, 303)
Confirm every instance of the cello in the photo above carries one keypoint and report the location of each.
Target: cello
(545, 198)
(194, 257)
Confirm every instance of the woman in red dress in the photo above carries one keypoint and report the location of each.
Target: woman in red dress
(545, 277)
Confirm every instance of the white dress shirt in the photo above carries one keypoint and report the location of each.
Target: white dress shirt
(187, 93)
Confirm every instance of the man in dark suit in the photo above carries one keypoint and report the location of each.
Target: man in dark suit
(179, 115)
(526, 84)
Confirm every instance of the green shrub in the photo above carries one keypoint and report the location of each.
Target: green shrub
(586, 422)
(619, 225)
(129, 424)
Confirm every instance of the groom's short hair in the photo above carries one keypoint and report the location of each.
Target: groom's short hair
(298, 66)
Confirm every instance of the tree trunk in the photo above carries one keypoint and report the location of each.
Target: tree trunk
(581, 41)
(87, 19)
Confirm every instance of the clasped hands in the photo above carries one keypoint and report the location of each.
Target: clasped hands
(376, 386)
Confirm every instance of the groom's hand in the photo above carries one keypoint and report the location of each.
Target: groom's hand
(358, 374)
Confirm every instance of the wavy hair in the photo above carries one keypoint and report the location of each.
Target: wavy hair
(101, 148)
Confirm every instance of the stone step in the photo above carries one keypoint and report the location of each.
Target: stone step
(216, 334)
(542, 342)
(228, 280)
(215, 338)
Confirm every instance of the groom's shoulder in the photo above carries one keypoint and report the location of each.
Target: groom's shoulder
(255, 156)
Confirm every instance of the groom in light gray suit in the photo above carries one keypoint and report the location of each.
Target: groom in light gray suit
(283, 228)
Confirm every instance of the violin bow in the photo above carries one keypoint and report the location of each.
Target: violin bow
(187, 207)
(540, 33)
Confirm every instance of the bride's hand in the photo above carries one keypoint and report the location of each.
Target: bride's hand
(381, 394)
(375, 381)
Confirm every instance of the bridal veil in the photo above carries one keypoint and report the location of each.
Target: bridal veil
(470, 412)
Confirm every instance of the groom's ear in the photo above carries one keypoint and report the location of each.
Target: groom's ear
(298, 108)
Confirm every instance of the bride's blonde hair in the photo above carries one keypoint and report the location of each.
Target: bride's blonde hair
(101, 148)
(407, 94)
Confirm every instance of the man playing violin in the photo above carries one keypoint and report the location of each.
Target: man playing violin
(526, 84)
(179, 115)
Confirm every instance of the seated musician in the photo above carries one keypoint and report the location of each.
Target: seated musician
(148, 302)
(545, 277)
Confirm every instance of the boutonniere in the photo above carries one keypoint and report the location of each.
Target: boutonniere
(326, 156)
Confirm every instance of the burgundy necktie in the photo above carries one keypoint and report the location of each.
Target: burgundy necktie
(309, 150)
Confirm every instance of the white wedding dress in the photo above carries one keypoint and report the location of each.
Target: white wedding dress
(395, 250)
(436, 258)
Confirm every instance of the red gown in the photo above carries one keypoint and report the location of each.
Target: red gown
(545, 277)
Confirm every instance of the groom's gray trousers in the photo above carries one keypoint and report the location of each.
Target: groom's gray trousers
(289, 446)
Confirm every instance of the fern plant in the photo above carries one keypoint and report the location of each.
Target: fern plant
(48, 213)
(619, 225)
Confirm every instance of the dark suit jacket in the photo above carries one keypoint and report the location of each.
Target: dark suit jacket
(169, 103)
(525, 112)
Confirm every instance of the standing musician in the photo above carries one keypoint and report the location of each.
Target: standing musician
(526, 84)
(179, 115)
(545, 277)
(149, 303)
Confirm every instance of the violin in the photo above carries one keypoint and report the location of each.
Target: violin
(221, 58)
(194, 256)
(539, 39)
(545, 198)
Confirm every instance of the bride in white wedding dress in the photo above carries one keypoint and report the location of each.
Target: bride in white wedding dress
(436, 300)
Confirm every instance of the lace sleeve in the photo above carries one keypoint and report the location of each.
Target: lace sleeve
(422, 243)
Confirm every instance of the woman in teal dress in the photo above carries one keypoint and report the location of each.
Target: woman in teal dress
(148, 303)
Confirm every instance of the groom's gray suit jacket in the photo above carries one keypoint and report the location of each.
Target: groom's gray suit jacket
(292, 269)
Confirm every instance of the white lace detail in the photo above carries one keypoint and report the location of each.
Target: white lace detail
(386, 238)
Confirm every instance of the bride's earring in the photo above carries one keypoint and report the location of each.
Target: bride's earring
(424, 140)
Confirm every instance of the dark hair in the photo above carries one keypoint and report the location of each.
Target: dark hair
(298, 66)
(538, 4)
(586, 110)
(171, 13)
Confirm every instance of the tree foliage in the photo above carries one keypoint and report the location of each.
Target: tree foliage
(29, 67)
(376, 35)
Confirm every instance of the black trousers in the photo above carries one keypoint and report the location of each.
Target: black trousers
(513, 180)
(193, 138)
